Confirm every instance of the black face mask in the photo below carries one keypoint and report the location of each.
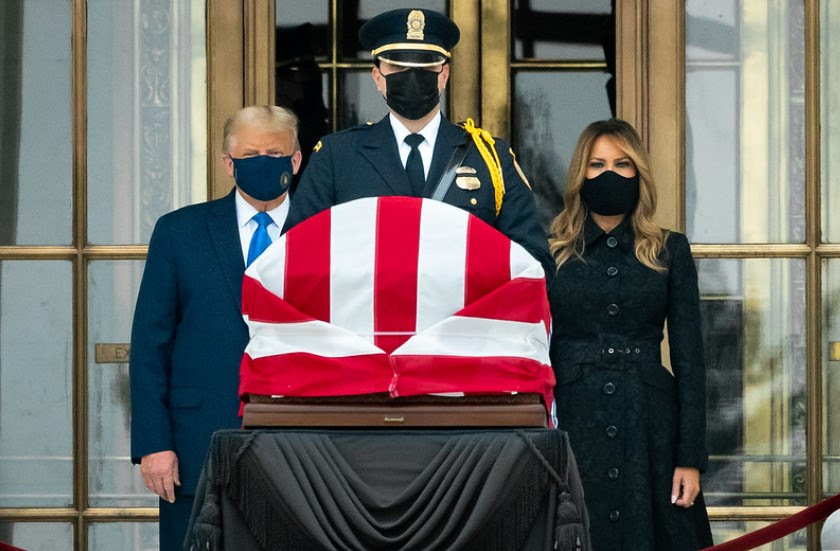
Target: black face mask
(610, 193)
(412, 93)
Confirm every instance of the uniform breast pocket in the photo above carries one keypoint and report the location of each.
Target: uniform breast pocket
(477, 202)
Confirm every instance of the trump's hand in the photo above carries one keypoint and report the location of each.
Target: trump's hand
(160, 473)
(685, 486)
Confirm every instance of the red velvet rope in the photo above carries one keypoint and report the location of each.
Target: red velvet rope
(782, 528)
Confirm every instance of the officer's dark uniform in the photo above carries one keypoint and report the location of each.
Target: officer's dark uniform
(364, 161)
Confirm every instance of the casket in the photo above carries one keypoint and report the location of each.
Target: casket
(396, 311)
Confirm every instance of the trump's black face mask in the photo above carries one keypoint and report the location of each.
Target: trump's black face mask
(412, 93)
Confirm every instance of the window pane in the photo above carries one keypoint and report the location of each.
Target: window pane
(550, 110)
(128, 536)
(36, 133)
(352, 15)
(36, 343)
(567, 30)
(745, 125)
(38, 536)
(753, 315)
(146, 116)
(114, 481)
(830, 122)
(729, 530)
(831, 375)
(303, 29)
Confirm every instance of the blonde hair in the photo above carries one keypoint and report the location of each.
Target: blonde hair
(566, 232)
(268, 117)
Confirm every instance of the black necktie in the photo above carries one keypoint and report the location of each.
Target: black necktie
(414, 165)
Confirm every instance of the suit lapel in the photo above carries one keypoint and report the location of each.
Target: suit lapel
(449, 137)
(224, 234)
(379, 147)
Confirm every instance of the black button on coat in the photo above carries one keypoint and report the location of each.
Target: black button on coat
(625, 413)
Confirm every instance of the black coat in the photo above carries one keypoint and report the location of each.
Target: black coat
(629, 420)
(363, 161)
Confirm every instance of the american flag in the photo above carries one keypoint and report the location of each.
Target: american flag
(396, 294)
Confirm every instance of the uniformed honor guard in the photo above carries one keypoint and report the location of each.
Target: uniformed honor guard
(414, 150)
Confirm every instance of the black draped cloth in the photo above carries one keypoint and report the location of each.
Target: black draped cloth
(366, 490)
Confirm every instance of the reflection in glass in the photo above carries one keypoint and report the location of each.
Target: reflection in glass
(146, 116)
(830, 122)
(38, 536)
(302, 27)
(114, 481)
(36, 134)
(36, 343)
(352, 15)
(303, 40)
(831, 375)
(729, 530)
(106, 536)
(745, 124)
(571, 29)
(753, 321)
(550, 110)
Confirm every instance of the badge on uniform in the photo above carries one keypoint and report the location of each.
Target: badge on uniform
(468, 182)
(466, 178)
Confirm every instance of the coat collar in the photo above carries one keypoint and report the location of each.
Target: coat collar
(623, 232)
(449, 137)
(224, 232)
(379, 147)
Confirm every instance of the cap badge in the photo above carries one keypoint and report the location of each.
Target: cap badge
(416, 24)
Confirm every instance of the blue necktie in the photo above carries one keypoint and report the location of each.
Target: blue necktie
(260, 240)
(414, 165)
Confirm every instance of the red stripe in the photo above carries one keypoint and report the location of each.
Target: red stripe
(422, 374)
(260, 304)
(303, 374)
(395, 270)
(307, 283)
(521, 299)
(488, 260)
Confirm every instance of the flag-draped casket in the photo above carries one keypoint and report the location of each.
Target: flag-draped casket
(400, 295)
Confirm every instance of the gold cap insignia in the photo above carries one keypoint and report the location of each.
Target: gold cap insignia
(468, 182)
(465, 170)
(415, 23)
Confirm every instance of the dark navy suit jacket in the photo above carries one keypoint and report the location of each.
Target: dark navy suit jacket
(188, 336)
(363, 161)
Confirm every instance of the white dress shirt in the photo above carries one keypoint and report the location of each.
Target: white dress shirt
(426, 147)
(247, 226)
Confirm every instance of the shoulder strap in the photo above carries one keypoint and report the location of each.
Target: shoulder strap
(448, 176)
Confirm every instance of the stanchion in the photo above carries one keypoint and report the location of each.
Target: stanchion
(782, 528)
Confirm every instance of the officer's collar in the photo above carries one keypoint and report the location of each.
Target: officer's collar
(623, 232)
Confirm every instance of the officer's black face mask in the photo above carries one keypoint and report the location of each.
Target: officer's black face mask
(610, 193)
(412, 93)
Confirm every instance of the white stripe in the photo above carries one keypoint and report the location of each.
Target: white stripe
(480, 338)
(311, 337)
(441, 262)
(522, 264)
(270, 267)
(352, 257)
